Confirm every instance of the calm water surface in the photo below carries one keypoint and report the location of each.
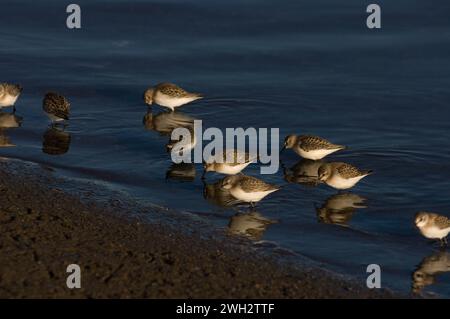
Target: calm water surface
(303, 66)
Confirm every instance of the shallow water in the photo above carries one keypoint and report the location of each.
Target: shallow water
(305, 67)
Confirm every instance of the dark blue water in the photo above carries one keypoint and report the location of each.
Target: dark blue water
(303, 66)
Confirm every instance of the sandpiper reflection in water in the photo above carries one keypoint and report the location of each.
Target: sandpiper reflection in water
(165, 122)
(305, 172)
(56, 141)
(251, 225)
(181, 172)
(430, 267)
(217, 195)
(5, 141)
(339, 209)
(8, 121)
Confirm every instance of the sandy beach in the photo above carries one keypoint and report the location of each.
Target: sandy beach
(44, 229)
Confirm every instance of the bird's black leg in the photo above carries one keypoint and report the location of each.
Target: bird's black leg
(205, 193)
(252, 204)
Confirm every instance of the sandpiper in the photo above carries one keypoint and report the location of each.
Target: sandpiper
(247, 188)
(169, 95)
(56, 106)
(311, 147)
(229, 162)
(9, 93)
(433, 226)
(341, 175)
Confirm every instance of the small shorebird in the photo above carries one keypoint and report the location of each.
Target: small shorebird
(341, 175)
(169, 95)
(56, 106)
(229, 162)
(311, 147)
(433, 226)
(247, 188)
(9, 93)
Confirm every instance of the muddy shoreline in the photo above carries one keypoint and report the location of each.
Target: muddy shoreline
(44, 229)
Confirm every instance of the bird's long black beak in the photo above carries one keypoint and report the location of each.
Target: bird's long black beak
(283, 148)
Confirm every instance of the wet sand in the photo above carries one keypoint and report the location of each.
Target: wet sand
(44, 229)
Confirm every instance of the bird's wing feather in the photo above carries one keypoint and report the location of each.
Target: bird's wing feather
(249, 183)
(349, 171)
(311, 143)
(238, 157)
(172, 90)
(442, 222)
